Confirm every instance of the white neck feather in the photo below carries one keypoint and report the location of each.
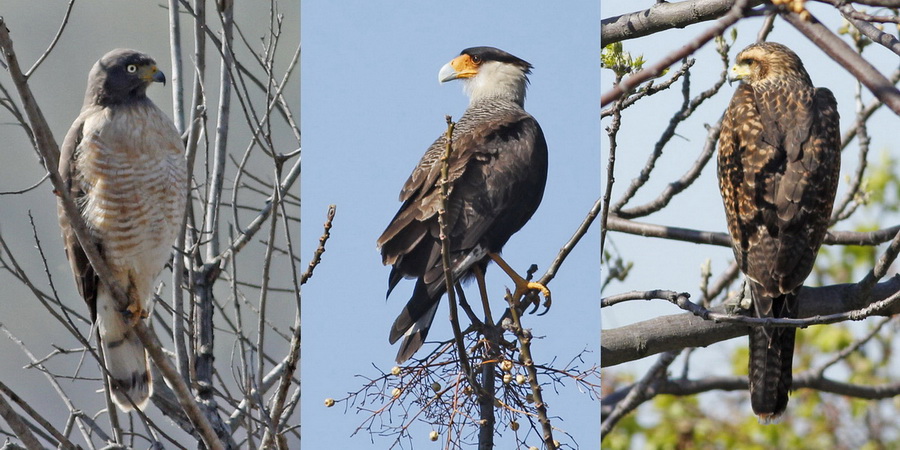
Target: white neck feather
(497, 80)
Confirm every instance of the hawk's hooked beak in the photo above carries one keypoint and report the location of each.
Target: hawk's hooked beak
(460, 67)
(159, 77)
(151, 74)
(738, 72)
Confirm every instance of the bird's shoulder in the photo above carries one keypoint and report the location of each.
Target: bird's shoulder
(481, 123)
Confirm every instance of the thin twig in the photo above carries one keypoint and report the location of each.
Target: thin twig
(320, 250)
(18, 425)
(445, 261)
(736, 12)
(638, 393)
(54, 41)
(524, 337)
(63, 441)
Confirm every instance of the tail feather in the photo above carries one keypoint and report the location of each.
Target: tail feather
(771, 354)
(414, 321)
(771, 357)
(126, 360)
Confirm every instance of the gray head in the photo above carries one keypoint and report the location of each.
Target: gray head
(121, 76)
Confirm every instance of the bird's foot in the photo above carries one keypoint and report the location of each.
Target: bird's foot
(134, 313)
(524, 287)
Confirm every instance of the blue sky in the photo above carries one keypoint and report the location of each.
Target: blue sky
(371, 105)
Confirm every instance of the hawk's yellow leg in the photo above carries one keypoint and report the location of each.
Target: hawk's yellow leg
(482, 289)
(522, 285)
(134, 313)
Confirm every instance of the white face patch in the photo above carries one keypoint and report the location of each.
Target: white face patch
(496, 79)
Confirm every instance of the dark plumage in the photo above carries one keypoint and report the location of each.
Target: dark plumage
(779, 162)
(498, 171)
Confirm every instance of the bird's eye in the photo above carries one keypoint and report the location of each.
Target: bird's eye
(476, 59)
(131, 68)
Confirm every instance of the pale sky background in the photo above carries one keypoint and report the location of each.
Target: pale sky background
(665, 264)
(371, 106)
(94, 28)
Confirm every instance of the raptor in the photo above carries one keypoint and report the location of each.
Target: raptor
(778, 166)
(123, 162)
(497, 172)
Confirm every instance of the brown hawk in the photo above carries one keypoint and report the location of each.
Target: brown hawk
(779, 162)
(498, 170)
(123, 162)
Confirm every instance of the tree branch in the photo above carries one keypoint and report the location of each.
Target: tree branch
(674, 332)
(839, 51)
(736, 13)
(616, 223)
(662, 16)
(807, 379)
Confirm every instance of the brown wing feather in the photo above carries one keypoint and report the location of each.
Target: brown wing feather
(778, 202)
(85, 278)
(421, 197)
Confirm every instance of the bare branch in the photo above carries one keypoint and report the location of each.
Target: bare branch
(886, 40)
(807, 379)
(839, 51)
(62, 440)
(638, 393)
(320, 250)
(738, 10)
(59, 32)
(674, 332)
(722, 239)
(663, 16)
(524, 336)
(16, 422)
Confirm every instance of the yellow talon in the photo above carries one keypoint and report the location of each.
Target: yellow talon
(523, 286)
(535, 286)
(134, 313)
(528, 286)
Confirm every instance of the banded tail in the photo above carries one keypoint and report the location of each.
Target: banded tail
(771, 356)
(126, 359)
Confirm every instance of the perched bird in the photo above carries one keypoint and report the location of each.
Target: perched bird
(779, 162)
(498, 170)
(123, 163)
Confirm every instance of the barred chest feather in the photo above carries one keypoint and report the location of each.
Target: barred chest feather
(135, 179)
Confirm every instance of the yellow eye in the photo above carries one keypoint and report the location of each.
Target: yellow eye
(131, 68)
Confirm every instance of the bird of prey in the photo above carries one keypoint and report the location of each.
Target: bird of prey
(123, 163)
(779, 162)
(498, 170)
